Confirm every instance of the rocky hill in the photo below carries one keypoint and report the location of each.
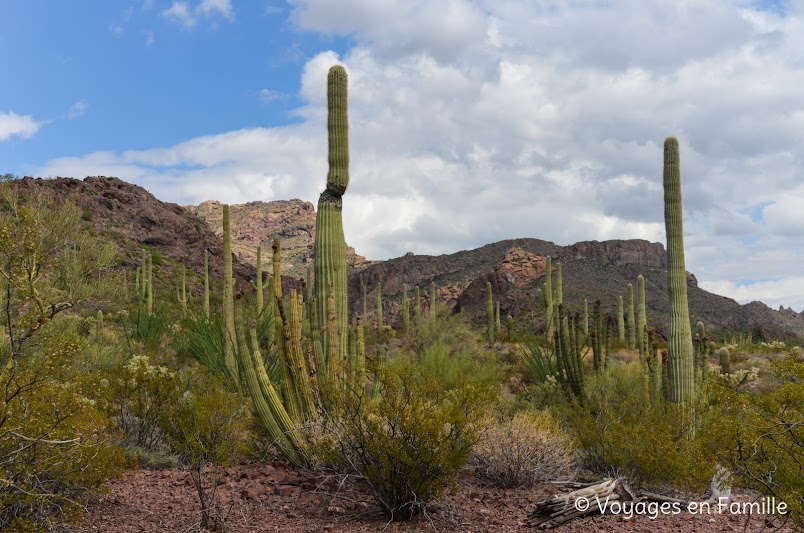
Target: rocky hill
(591, 270)
(257, 223)
(133, 218)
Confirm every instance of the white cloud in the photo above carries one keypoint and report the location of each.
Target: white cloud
(77, 109)
(475, 121)
(270, 95)
(182, 13)
(12, 125)
(150, 38)
(220, 7)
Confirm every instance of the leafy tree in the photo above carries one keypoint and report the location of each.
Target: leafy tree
(52, 440)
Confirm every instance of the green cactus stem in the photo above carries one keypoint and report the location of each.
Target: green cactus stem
(489, 314)
(724, 356)
(379, 307)
(144, 264)
(679, 343)
(597, 337)
(547, 297)
(150, 292)
(365, 300)
(206, 283)
(417, 307)
(99, 324)
(700, 343)
(433, 302)
(405, 311)
(585, 318)
(258, 283)
(620, 320)
(510, 327)
(497, 322)
(641, 316)
(360, 356)
(329, 248)
(559, 286)
(267, 402)
(228, 297)
(181, 293)
(137, 280)
(631, 322)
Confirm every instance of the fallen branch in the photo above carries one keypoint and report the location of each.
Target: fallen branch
(586, 500)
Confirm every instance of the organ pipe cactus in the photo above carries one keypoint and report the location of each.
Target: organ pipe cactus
(432, 302)
(405, 311)
(417, 306)
(379, 308)
(631, 321)
(181, 294)
(559, 285)
(620, 320)
(267, 402)
(641, 316)
(258, 282)
(510, 327)
(700, 344)
(497, 322)
(206, 283)
(585, 318)
(228, 297)
(547, 296)
(329, 248)
(144, 264)
(679, 342)
(149, 298)
(489, 314)
(597, 338)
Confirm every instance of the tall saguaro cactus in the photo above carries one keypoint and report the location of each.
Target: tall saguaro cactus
(631, 322)
(641, 317)
(228, 297)
(620, 320)
(679, 343)
(330, 246)
(548, 298)
(490, 313)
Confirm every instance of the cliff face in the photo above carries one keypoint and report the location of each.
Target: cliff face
(258, 223)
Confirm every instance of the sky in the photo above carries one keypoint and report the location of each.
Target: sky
(470, 121)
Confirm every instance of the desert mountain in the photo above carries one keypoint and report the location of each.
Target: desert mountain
(132, 217)
(257, 223)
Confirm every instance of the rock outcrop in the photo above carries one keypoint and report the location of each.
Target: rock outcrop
(257, 223)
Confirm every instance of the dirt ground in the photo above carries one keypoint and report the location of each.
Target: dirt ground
(265, 497)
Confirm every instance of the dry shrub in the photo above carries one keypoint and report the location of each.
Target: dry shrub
(523, 451)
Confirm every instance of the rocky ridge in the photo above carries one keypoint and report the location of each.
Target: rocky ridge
(257, 223)
(133, 218)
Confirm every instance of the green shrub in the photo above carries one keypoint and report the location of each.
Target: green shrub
(139, 395)
(451, 367)
(524, 450)
(208, 427)
(763, 442)
(409, 443)
(55, 444)
(146, 329)
(619, 432)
